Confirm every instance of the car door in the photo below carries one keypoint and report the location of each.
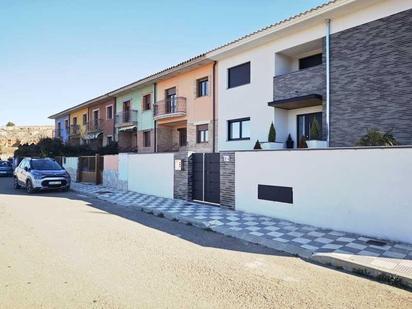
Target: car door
(21, 172)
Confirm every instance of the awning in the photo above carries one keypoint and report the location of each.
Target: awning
(128, 128)
(92, 135)
(298, 102)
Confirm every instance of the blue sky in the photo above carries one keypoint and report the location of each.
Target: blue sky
(56, 54)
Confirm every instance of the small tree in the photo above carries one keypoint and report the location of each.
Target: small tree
(315, 130)
(10, 124)
(272, 134)
(302, 142)
(257, 145)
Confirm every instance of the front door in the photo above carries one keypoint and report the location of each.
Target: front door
(304, 122)
(206, 177)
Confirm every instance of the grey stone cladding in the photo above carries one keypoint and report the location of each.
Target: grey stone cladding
(299, 83)
(227, 179)
(182, 185)
(371, 80)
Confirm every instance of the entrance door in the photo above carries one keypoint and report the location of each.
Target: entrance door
(206, 177)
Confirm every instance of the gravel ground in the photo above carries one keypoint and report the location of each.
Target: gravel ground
(64, 250)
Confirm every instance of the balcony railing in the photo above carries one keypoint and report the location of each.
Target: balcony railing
(96, 125)
(126, 118)
(300, 83)
(170, 107)
(74, 130)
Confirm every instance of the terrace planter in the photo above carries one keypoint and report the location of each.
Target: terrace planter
(316, 144)
(271, 146)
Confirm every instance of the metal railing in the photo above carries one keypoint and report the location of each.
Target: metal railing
(96, 125)
(126, 118)
(169, 107)
(74, 130)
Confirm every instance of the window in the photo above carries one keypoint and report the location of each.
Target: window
(75, 121)
(147, 100)
(84, 119)
(239, 75)
(171, 101)
(239, 129)
(109, 112)
(202, 87)
(146, 139)
(59, 129)
(182, 137)
(202, 133)
(66, 123)
(109, 140)
(310, 61)
(304, 123)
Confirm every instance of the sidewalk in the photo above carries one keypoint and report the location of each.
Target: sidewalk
(386, 260)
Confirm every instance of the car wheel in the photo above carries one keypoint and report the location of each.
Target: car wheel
(29, 187)
(16, 183)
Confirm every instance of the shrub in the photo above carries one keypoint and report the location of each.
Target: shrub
(302, 142)
(272, 134)
(315, 130)
(109, 149)
(257, 145)
(373, 137)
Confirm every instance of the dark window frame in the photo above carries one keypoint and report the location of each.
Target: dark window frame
(309, 124)
(229, 129)
(84, 119)
(182, 141)
(111, 112)
(310, 61)
(147, 103)
(199, 129)
(200, 89)
(233, 84)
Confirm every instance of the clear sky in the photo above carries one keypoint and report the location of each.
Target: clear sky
(56, 54)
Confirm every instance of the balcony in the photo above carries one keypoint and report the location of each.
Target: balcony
(175, 107)
(95, 126)
(306, 83)
(75, 130)
(126, 119)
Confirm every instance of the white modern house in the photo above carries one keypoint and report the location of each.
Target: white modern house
(290, 73)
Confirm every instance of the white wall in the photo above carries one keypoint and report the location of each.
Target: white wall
(365, 191)
(251, 100)
(151, 173)
(70, 164)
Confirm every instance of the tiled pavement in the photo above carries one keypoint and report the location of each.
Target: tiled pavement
(346, 250)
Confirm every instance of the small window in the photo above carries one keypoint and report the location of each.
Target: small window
(310, 61)
(239, 129)
(147, 100)
(109, 112)
(202, 87)
(66, 123)
(84, 119)
(202, 133)
(109, 140)
(75, 121)
(146, 139)
(239, 75)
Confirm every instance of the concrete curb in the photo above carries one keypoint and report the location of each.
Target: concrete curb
(317, 258)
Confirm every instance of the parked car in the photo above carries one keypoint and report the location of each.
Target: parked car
(41, 174)
(6, 169)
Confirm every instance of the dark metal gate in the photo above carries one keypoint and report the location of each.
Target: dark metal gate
(206, 177)
(90, 169)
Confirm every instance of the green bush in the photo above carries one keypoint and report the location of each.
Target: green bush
(373, 137)
(315, 130)
(110, 149)
(272, 134)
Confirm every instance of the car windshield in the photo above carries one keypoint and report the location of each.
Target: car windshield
(44, 165)
(5, 164)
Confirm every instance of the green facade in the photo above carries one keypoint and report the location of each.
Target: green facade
(144, 118)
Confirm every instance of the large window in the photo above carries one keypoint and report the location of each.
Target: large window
(304, 123)
(182, 137)
(147, 100)
(202, 135)
(202, 87)
(310, 61)
(171, 100)
(109, 112)
(239, 129)
(84, 119)
(146, 139)
(239, 75)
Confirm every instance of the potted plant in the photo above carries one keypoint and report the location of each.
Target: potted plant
(257, 145)
(315, 136)
(271, 143)
(289, 142)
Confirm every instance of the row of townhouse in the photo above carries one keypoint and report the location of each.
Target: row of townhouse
(346, 65)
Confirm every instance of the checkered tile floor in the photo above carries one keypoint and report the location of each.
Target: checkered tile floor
(265, 230)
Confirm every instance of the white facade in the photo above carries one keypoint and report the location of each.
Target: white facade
(251, 100)
(364, 191)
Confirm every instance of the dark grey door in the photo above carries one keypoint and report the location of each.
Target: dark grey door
(206, 177)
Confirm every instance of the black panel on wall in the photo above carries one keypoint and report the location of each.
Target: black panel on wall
(275, 193)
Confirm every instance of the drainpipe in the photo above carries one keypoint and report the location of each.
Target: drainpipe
(214, 106)
(155, 124)
(327, 81)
